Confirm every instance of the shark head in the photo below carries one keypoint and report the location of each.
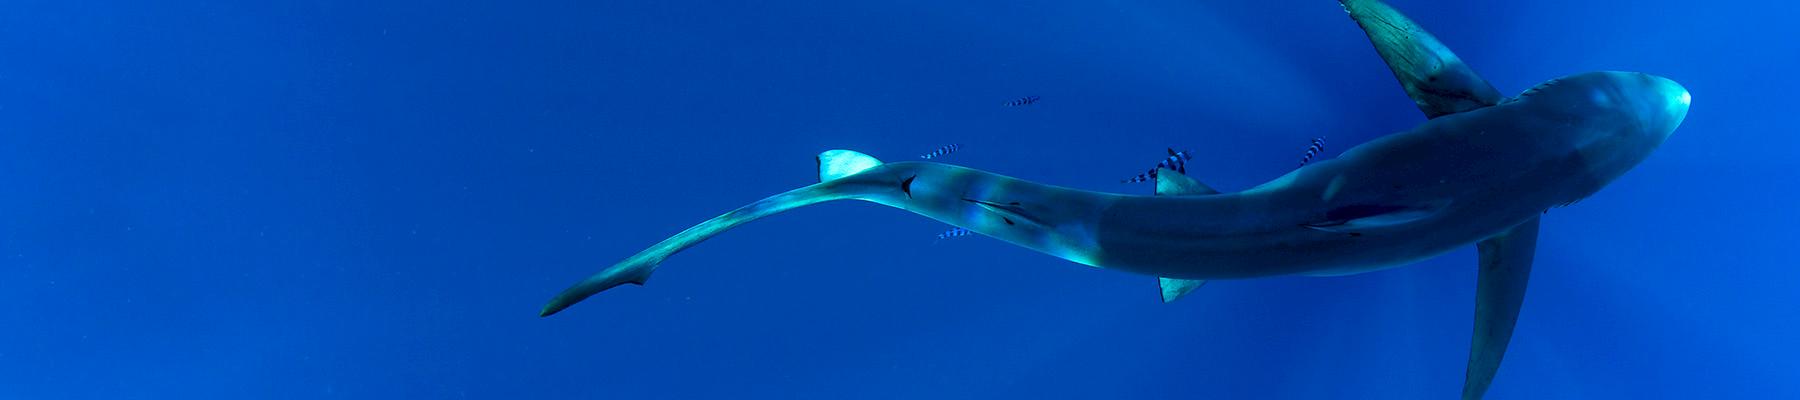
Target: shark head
(1643, 105)
(1655, 104)
(1619, 118)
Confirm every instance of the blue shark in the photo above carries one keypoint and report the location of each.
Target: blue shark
(1482, 170)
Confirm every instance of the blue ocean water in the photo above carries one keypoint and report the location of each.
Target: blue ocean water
(336, 199)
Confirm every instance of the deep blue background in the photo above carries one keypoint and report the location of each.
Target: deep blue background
(310, 199)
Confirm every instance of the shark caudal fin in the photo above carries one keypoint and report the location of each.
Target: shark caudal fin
(1434, 77)
(833, 165)
(634, 270)
(1500, 290)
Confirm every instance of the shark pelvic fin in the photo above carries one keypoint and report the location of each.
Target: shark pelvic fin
(1505, 269)
(1171, 183)
(1175, 288)
(1434, 77)
(835, 164)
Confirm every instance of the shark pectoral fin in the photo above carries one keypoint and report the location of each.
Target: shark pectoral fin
(1434, 77)
(1175, 288)
(1171, 183)
(1505, 268)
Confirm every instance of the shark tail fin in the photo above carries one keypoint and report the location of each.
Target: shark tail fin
(835, 164)
(635, 270)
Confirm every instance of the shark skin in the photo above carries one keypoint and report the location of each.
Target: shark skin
(1459, 179)
(1480, 171)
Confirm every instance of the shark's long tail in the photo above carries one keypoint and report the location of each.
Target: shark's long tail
(636, 269)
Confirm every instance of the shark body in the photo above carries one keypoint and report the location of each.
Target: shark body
(1481, 171)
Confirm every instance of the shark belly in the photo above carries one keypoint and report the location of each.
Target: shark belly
(1403, 198)
(1178, 247)
(1243, 237)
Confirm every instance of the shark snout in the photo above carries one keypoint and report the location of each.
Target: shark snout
(1663, 104)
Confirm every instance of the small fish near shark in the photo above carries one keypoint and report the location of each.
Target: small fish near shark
(944, 150)
(955, 233)
(1313, 150)
(1479, 171)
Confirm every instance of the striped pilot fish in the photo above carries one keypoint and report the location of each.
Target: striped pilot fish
(1317, 146)
(1177, 161)
(954, 232)
(1022, 101)
(941, 151)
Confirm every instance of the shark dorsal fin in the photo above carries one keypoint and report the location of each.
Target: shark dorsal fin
(1171, 183)
(835, 164)
(1434, 77)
